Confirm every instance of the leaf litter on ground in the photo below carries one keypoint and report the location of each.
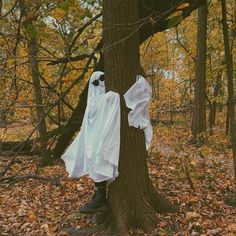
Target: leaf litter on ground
(198, 179)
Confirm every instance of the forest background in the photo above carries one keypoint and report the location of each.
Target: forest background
(47, 55)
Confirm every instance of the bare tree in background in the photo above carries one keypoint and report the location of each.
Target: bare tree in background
(31, 32)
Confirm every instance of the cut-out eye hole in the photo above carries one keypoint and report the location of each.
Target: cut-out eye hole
(102, 78)
(95, 82)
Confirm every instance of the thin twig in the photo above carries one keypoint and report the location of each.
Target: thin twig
(183, 46)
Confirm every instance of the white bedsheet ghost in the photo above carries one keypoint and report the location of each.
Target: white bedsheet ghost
(137, 99)
(95, 150)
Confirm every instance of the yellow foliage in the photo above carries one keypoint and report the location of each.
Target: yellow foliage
(58, 13)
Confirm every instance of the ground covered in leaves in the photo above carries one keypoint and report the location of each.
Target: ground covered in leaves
(198, 178)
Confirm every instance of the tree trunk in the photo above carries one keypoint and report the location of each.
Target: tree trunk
(132, 198)
(213, 105)
(199, 107)
(0, 8)
(3, 118)
(31, 32)
(230, 79)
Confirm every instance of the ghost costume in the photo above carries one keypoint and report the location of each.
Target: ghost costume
(95, 150)
(137, 99)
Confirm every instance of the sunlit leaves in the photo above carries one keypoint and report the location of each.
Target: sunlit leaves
(58, 13)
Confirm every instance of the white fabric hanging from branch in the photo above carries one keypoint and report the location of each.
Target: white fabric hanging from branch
(137, 98)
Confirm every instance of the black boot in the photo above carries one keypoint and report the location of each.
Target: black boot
(98, 202)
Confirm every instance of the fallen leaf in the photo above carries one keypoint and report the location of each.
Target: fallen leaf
(32, 216)
(192, 215)
(79, 187)
(213, 231)
(231, 228)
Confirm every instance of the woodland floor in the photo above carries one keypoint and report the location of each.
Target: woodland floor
(200, 179)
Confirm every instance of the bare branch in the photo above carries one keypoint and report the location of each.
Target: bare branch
(80, 31)
(183, 46)
(69, 59)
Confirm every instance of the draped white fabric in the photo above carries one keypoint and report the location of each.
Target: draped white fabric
(137, 99)
(95, 150)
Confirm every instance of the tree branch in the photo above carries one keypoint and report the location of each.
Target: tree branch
(69, 59)
(80, 31)
(183, 46)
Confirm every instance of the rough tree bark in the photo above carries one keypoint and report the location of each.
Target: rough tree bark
(151, 10)
(132, 197)
(230, 86)
(199, 107)
(32, 43)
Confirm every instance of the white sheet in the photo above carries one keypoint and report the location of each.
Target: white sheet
(95, 150)
(137, 98)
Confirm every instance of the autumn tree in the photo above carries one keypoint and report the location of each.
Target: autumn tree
(29, 15)
(199, 107)
(230, 83)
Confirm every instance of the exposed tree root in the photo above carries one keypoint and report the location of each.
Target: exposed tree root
(148, 219)
(122, 225)
(161, 204)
